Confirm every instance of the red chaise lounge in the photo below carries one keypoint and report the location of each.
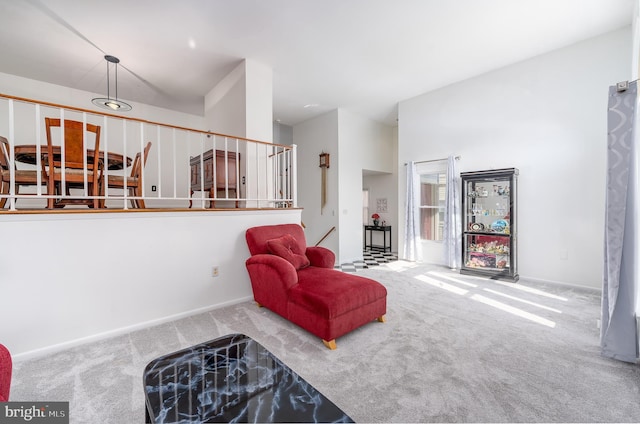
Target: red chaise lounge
(6, 367)
(300, 284)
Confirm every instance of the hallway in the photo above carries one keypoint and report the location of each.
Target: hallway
(370, 259)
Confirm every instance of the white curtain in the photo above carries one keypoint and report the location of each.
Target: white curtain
(452, 237)
(618, 336)
(412, 242)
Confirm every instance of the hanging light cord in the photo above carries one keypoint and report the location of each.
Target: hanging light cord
(109, 80)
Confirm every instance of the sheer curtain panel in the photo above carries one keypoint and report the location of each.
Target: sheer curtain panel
(452, 237)
(412, 242)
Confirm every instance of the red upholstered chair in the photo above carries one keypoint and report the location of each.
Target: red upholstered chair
(300, 284)
(6, 367)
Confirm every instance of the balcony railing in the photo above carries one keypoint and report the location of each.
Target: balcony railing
(184, 168)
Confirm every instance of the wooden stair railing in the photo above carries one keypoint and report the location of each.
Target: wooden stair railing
(326, 235)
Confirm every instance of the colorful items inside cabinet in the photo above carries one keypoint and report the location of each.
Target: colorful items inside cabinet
(489, 233)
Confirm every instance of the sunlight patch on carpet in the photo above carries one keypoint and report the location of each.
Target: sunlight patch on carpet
(517, 299)
(442, 285)
(455, 280)
(532, 290)
(399, 266)
(513, 310)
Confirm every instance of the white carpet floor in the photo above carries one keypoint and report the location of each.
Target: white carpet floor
(454, 349)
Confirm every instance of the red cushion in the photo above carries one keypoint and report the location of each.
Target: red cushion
(257, 237)
(287, 248)
(330, 293)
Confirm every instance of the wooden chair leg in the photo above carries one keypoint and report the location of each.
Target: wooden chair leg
(102, 191)
(3, 201)
(134, 202)
(94, 188)
(96, 201)
(52, 188)
(139, 202)
(212, 203)
(382, 318)
(331, 344)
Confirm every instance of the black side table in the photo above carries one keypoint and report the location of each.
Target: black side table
(370, 229)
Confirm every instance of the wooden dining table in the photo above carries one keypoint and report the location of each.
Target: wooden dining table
(28, 153)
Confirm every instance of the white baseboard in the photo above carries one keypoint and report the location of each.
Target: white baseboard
(524, 278)
(120, 331)
(561, 283)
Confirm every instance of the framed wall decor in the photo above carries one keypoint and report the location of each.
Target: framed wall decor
(381, 205)
(324, 160)
(324, 165)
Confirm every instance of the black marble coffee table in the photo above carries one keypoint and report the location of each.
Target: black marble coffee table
(231, 379)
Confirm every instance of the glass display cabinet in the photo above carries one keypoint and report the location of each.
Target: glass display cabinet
(489, 233)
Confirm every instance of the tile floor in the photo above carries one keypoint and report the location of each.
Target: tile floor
(369, 259)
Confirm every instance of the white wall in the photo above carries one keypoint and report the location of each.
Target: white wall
(67, 279)
(313, 137)
(282, 134)
(547, 117)
(225, 104)
(363, 144)
(241, 104)
(259, 109)
(355, 143)
(383, 186)
(41, 91)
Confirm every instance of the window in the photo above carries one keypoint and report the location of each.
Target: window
(432, 195)
(365, 206)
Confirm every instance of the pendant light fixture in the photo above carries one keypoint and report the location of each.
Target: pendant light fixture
(112, 104)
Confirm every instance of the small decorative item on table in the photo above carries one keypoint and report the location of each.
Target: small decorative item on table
(376, 219)
(500, 226)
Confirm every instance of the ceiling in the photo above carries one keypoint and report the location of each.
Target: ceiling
(361, 55)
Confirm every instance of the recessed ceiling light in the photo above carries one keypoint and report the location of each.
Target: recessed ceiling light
(192, 43)
(311, 105)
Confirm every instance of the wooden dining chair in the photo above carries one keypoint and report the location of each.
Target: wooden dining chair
(134, 182)
(22, 177)
(76, 153)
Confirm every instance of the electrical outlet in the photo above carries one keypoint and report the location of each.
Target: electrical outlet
(564, 254)
(153, 188)
(215, 271)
